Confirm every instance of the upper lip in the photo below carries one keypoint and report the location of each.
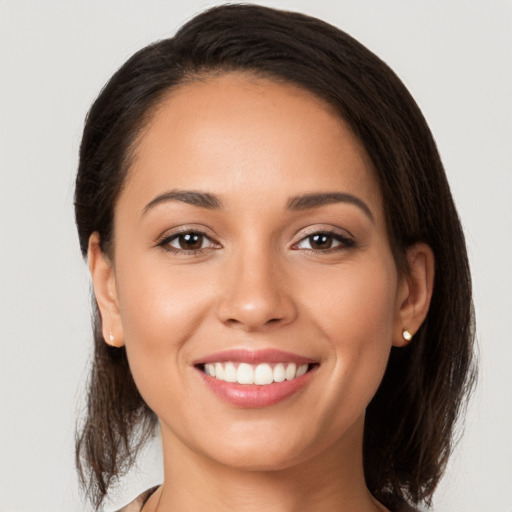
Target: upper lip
(254, 357)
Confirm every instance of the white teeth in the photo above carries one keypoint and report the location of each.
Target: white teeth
(245, 374)
(230, 372)
(261, 374)
(291, 370)
(219, 371)
(301, 370)
(279, 373)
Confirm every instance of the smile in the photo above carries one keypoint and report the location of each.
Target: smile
(255, 379)
(261, 374)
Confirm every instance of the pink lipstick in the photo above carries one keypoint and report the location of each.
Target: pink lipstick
(254, 379)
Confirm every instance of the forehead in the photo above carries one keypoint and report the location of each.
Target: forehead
(237, 133)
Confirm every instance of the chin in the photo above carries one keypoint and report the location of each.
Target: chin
(266, 447)
(258, 458)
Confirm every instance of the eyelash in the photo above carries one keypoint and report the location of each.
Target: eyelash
(344, 242)
(166, 241)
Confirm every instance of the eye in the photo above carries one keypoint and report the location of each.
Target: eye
(187, 242)
(324, 241)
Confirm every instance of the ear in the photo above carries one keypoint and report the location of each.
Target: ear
(104, 284)
(415, 292)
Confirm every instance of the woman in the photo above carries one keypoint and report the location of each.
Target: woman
(272, 244)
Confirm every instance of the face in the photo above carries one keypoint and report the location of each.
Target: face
(250, 246)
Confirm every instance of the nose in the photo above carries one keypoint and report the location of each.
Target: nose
(254, 295)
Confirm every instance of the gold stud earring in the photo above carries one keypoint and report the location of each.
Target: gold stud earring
(406, 335)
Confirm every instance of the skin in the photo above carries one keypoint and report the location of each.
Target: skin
(257, 282)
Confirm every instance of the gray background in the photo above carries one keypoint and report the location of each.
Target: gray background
(54, 58)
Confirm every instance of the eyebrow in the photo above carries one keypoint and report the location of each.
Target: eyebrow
(195, 198)
(296, 203)
(307, 201)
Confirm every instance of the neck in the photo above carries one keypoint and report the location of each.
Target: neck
(331, 480)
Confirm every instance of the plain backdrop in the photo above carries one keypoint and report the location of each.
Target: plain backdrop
(455, 57)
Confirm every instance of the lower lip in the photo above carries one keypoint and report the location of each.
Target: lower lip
(254, 396)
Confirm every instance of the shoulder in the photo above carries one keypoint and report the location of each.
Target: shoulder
(137, 504)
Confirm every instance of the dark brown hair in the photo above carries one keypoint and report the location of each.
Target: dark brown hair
(410, 421)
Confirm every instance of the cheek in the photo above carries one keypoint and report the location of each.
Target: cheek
(360, 299)
(355, 314)
(160, 310)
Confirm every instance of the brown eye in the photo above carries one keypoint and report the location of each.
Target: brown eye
(324, 242)
(189, 241)
(320, 241)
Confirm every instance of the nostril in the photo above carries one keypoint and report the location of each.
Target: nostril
(233, 322)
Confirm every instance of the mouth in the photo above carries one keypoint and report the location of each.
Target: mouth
(262, 374)
(255, 379)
